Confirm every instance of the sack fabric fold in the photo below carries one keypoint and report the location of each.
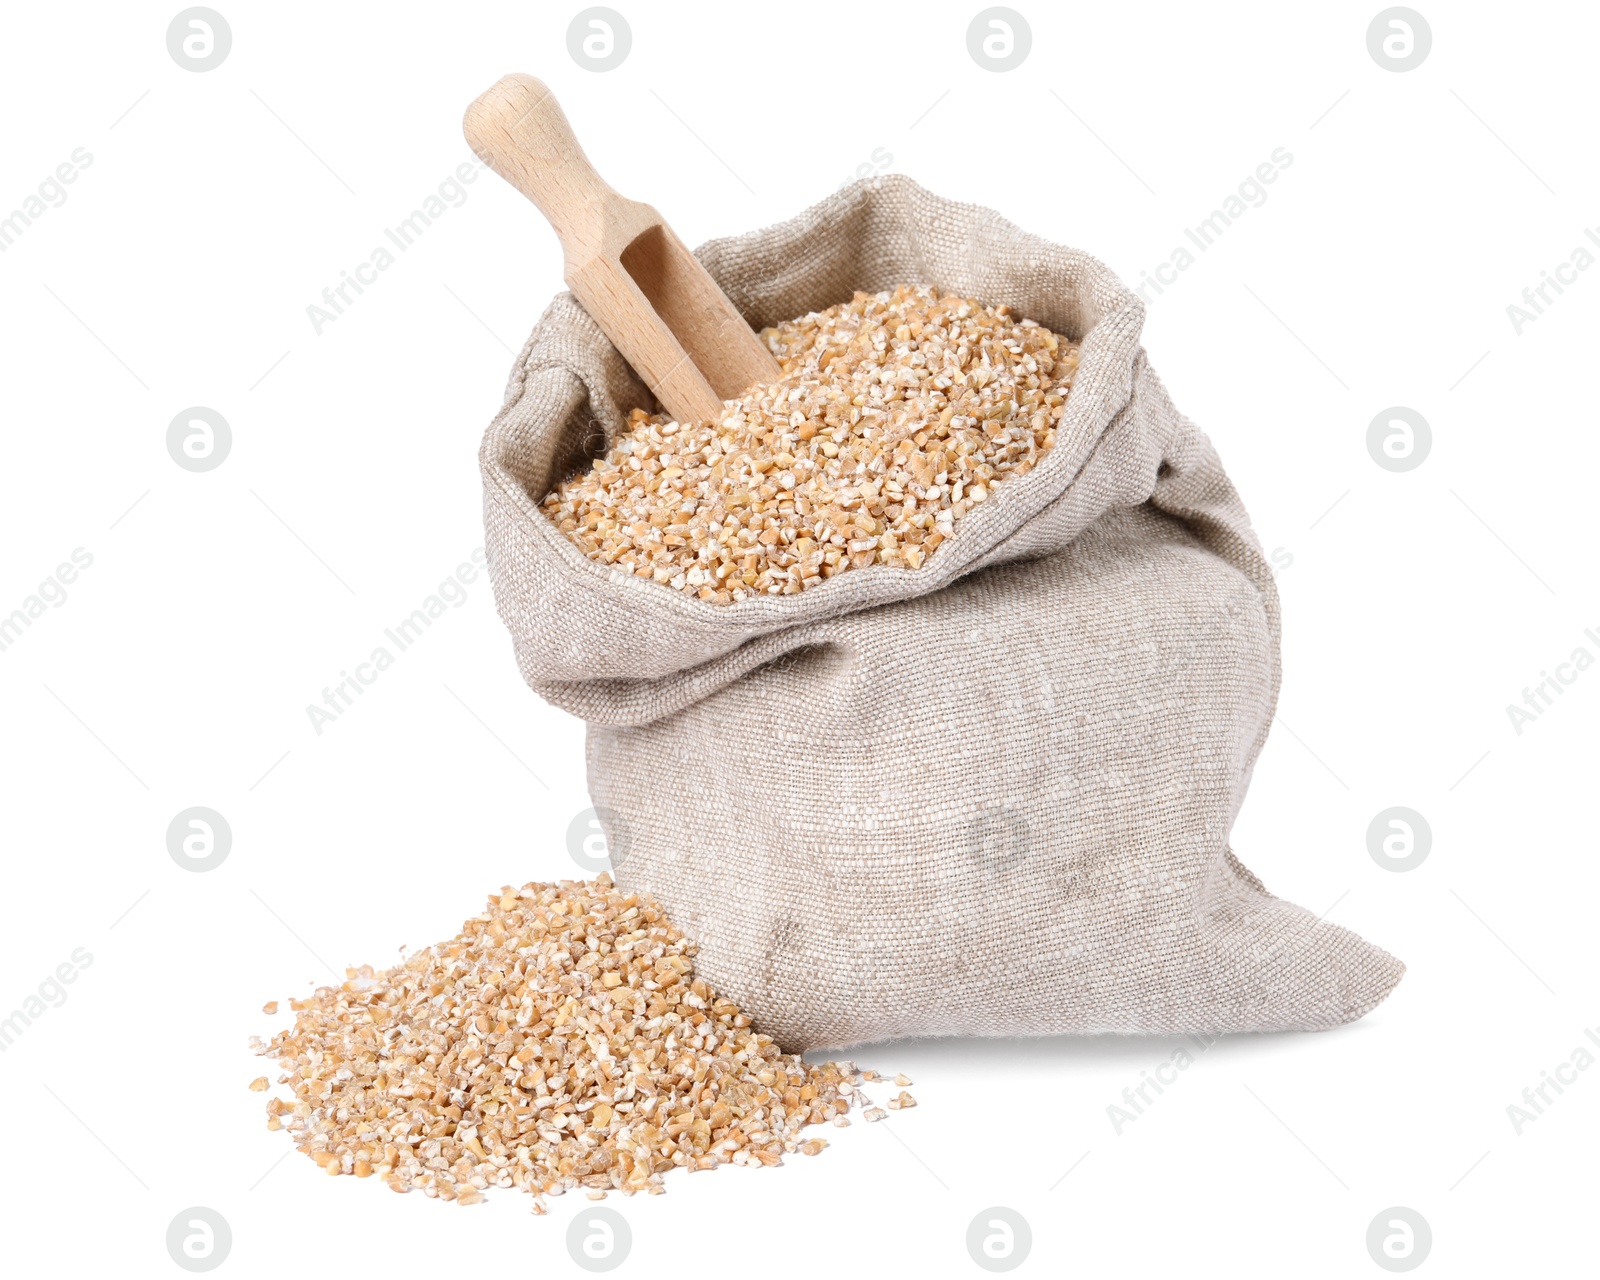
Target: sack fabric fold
(988, 796)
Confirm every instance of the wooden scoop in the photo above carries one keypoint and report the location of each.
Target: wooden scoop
(645, 290)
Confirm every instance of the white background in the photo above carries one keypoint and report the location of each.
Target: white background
(177, 672)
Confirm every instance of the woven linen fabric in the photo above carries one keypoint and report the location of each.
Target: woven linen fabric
(988, 796)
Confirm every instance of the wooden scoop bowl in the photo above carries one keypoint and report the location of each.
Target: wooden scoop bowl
(645, 290)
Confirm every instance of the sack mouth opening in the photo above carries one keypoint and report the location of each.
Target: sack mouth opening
(1082, 300)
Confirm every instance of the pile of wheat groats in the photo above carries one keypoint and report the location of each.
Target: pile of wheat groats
(560, 1041)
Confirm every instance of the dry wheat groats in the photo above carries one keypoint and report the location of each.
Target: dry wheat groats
(776, 731)
(896, 413)
(560, 1041)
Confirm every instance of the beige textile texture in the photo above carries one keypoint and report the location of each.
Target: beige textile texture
(990, 796)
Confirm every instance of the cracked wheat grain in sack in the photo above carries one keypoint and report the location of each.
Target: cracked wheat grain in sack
(916, 751)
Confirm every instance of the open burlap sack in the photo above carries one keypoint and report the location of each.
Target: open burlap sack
(989, 796)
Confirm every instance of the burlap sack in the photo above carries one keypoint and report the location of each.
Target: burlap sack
(990, 796)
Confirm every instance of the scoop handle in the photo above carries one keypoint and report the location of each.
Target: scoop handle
(519, 129)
